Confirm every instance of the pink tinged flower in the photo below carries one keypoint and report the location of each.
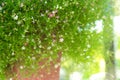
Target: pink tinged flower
(52, 14)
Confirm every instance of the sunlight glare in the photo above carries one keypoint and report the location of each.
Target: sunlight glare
(76, 76)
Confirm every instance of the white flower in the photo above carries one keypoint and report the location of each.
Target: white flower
(21, 67)
(33, 40)
(0, 8)
(45, 2)
(23, 48)
(40, 46)
(15, 17)
(42, 14)
(33, 58)
(11, 79)
(88, 46)
(50, 59)
(19, 22)
(51, 53)
(54, 12)
(23, 35)
(13, 53)
(21, 5)
(57, 65)
(61, 40)
(49, 48)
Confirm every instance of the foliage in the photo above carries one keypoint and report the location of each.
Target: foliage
(36, 29)
(118, 42)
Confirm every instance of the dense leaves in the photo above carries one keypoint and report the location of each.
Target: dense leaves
(35, 29)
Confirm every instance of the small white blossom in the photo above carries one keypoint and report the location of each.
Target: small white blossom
(49, 48)
(33, 40)
(60, 7)
(27, 40)
(57, 6)
(0, 8)
(50, 59)
(15, 29)
(21, 67)
(34, 47)
(21, 5)
(13, 53)
(88, 46)
(33, 66)
(11, 78)
(54, 12)
(29, 57)
(92, 9)
(40, 46)
(3, 4)
(61, 40)
(33, 58)
(23, 35)
(45, 2)
(46, 11)
(15, 17)
(72, 12)
(42, 14)
(24, 19)
(57, 65)
(23, 48)
(88, 57)
(51, 53)
(19, 22)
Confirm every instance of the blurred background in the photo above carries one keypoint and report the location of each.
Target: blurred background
(96, 69)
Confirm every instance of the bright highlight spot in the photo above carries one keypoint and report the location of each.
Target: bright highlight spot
(116, 22)
(76, 76)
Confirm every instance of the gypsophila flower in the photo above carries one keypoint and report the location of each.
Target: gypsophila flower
(21, 5)
(57, 65)
(23, 35)
(0, 8)
(51, 52)
(23, 48)
(45, 2)
(40, 46)
(47, 11)
(15, 17)
(61, 40)
(3, 4)
(49, 48)
(33, 58)
(19, 22)
(11, 78)
(31, 8)
(13, 53)
(34, 47)
(21, 67)
(42, 14)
